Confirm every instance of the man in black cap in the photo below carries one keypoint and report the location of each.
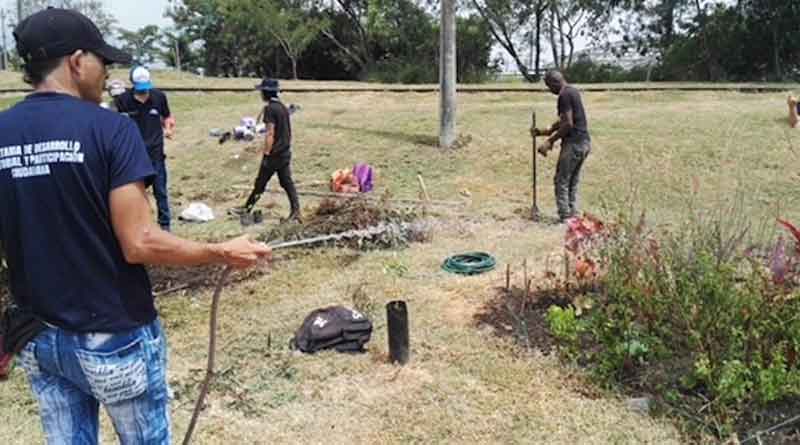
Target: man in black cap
(76, 228)
(277, 151)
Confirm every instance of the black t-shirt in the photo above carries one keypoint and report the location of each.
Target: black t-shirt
(276, 113)
(149, 117)
(570, 100)
(60, 158)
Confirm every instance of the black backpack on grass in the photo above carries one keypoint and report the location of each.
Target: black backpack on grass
(333, 327)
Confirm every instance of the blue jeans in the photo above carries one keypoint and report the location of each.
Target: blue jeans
(162, 194)
(71, 374)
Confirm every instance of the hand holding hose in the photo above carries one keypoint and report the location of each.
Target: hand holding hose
(238, 253)
(242, 252)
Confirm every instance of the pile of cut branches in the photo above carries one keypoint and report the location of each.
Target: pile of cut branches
(357, 213)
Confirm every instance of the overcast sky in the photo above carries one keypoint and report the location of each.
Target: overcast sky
(130, 14)
(134, 14)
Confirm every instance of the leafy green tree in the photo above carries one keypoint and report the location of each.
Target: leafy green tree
(704, 39)
(202, 21)
(178, 51)
(142, 44)
(508, 21)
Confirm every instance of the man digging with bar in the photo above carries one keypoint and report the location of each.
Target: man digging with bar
(573, 130)
(77, 228)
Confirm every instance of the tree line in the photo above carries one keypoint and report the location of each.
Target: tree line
(397, 40)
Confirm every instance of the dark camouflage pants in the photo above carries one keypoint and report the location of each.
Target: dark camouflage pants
(568, 175)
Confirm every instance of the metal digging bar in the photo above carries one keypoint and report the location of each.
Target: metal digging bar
(369, 232)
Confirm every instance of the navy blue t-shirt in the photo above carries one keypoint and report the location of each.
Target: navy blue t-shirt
(149, 116)
(60, 157)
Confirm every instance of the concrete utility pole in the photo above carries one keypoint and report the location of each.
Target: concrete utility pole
(447, 75)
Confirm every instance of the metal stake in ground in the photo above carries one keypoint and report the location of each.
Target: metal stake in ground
(535, 207)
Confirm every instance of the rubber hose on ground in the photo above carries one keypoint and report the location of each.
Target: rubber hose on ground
(471, 263)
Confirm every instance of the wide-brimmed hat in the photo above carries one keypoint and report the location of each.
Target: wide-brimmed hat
(269, 85)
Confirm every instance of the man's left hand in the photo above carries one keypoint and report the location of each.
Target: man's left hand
(169, 127)
(546, 146)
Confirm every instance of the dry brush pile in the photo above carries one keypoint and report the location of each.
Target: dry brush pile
(402, 225)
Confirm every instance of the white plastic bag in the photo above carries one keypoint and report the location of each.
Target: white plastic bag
(197, 212)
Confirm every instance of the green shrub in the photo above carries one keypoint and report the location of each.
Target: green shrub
(563, 323)
(693, 315)
(586, 70)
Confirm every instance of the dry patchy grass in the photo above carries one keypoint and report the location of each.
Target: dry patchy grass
(465, 383)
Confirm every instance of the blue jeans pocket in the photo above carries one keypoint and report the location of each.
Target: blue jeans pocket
(115, 376)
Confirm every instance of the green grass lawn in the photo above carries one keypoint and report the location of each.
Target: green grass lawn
(660, 152)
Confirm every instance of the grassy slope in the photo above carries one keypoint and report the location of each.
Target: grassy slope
(464, 384)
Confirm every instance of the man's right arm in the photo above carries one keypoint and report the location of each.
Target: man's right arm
(143, 242)
(269, 138)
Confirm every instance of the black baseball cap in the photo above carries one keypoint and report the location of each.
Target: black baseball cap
(55, 32)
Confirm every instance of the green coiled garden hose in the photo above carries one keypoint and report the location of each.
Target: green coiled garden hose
(471, 263)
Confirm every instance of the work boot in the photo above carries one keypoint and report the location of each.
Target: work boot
(246, 219)
(295, 216)
(258, 217)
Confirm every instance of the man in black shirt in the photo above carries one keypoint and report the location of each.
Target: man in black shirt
(573, 130)
(148, 107)
(277, 151)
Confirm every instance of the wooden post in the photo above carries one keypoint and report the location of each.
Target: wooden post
(525, 280)
(508, 277)
(424, 196)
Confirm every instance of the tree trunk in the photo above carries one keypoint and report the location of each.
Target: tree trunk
(177, 55)
(294, 67)
(539, 13)
(571, 44)
(776, 53)
(552, 33)
(561, 36)
(532, 44)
